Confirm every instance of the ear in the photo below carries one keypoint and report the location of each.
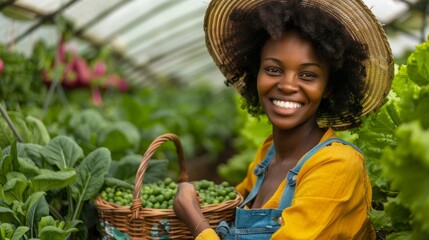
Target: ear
(328, 92)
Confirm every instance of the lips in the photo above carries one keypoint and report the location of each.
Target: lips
(286, 104)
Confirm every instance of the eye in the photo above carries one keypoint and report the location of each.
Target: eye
(307, 75)
(273, 70)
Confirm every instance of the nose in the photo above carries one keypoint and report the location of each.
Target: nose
(288, 83)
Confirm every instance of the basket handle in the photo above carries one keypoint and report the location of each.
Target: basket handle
(157, 142)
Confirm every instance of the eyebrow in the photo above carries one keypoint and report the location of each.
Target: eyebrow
(304, 64)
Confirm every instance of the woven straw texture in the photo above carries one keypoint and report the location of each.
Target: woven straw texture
(147, 223)
(360, 23)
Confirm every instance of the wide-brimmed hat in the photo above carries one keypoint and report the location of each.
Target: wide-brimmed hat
(354, 15)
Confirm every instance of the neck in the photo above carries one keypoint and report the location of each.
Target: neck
(292, 144)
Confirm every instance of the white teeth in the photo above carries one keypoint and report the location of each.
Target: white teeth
(286, 104)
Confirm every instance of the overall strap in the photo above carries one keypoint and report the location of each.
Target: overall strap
(260, 171)
(292, 175)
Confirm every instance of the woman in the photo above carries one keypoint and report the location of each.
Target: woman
(312, 67)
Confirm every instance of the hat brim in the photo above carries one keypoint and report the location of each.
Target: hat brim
(357, 19)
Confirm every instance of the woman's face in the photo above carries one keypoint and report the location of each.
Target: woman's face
(291, 81)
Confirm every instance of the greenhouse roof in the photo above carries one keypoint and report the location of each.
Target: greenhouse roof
(164, 37)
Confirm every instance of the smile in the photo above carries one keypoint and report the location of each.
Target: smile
(284, 104)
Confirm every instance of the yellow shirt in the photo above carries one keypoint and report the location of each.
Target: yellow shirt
(332, 196)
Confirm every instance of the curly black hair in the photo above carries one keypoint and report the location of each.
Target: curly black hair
(345, 55)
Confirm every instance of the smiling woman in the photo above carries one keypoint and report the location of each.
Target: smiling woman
(303, 65)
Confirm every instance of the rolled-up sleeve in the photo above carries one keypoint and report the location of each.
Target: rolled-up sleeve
(207, 234)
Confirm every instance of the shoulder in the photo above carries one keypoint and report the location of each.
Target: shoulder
(342, 147)
(337, 155)
(338, 169)
(342, 150)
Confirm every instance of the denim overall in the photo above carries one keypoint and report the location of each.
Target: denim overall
(260, 224)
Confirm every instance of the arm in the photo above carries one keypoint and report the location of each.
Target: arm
(186, 204)
(187, 208)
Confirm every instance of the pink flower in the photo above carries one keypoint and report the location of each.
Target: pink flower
(123, 85)
(97, 100)
(1, 66)
(100, 68)
(116, 81)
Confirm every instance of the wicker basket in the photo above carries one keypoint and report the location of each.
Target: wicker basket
(148, 223)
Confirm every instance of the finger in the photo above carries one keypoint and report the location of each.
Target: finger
(198, 196)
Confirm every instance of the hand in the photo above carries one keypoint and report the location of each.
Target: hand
(187, 208)
(186, 200)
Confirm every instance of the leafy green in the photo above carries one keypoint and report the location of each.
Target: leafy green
(408, 165)
(28, 167)
(396, 144)
(380, 220)
(400, 236)
(36, 207)
(399, 215)
(5, 167)
(90, 177)
(118, 136)
(418, 69)
(50, 229)
(20, 80)
(377, 132)
(40, 134)
(85, 124)
(15, 186)
(7, 215)
(62, 152)
(31, 152)
(19, 232)
(29, 128)
(25, 183)
(155, 171)
(114, 182)
(252, 132)
(51, 180)
(8, 231)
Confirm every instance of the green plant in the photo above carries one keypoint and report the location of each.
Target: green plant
(251, 133)
(395, 142)
(201, 117)
(29, 128)
(20, 81)
(23, 201)
(59, 171)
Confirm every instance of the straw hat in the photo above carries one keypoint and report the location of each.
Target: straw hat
(358, 20)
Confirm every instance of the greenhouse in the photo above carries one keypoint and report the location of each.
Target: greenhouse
(106, 106)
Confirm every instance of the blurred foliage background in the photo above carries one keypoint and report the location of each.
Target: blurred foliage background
(88, 89)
